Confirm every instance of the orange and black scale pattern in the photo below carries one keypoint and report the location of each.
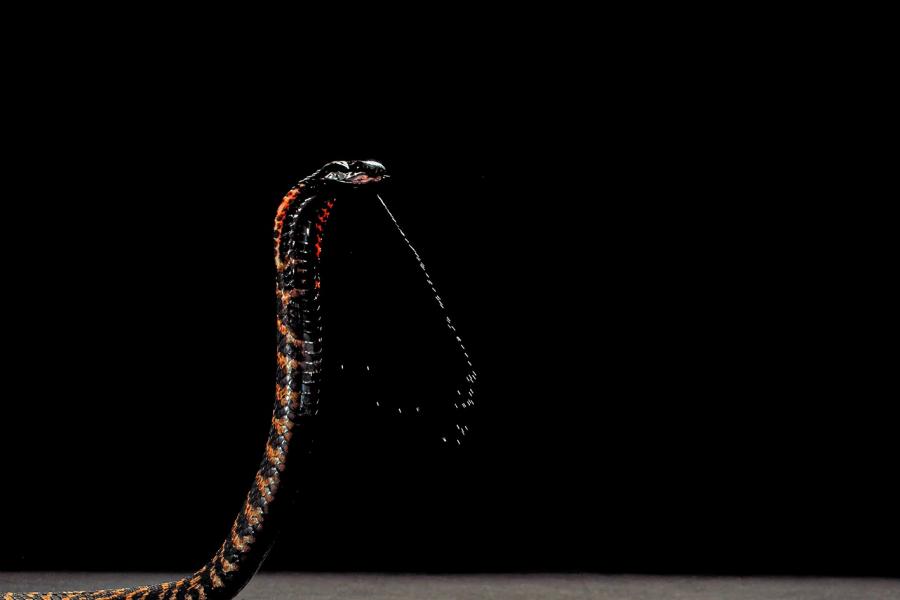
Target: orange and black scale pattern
(300, 226)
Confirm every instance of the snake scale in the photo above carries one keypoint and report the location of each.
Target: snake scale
(300, 227)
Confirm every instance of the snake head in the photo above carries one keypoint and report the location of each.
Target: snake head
(353, 172)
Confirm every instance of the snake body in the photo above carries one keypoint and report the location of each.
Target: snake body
(300, 228)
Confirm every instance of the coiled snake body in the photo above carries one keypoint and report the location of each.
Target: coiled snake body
(300, 227)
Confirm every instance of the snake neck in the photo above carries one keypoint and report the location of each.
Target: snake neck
(299, 236)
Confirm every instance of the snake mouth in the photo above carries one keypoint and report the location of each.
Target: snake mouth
(363, 178)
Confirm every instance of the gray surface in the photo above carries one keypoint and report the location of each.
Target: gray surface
(492, 587)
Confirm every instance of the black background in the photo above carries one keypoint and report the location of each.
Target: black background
(667, 334)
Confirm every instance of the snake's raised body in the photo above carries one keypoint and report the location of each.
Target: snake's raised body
(300, 231)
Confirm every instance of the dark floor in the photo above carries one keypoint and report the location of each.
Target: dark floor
(494, 587)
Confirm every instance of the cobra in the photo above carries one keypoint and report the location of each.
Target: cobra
(301, 225)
